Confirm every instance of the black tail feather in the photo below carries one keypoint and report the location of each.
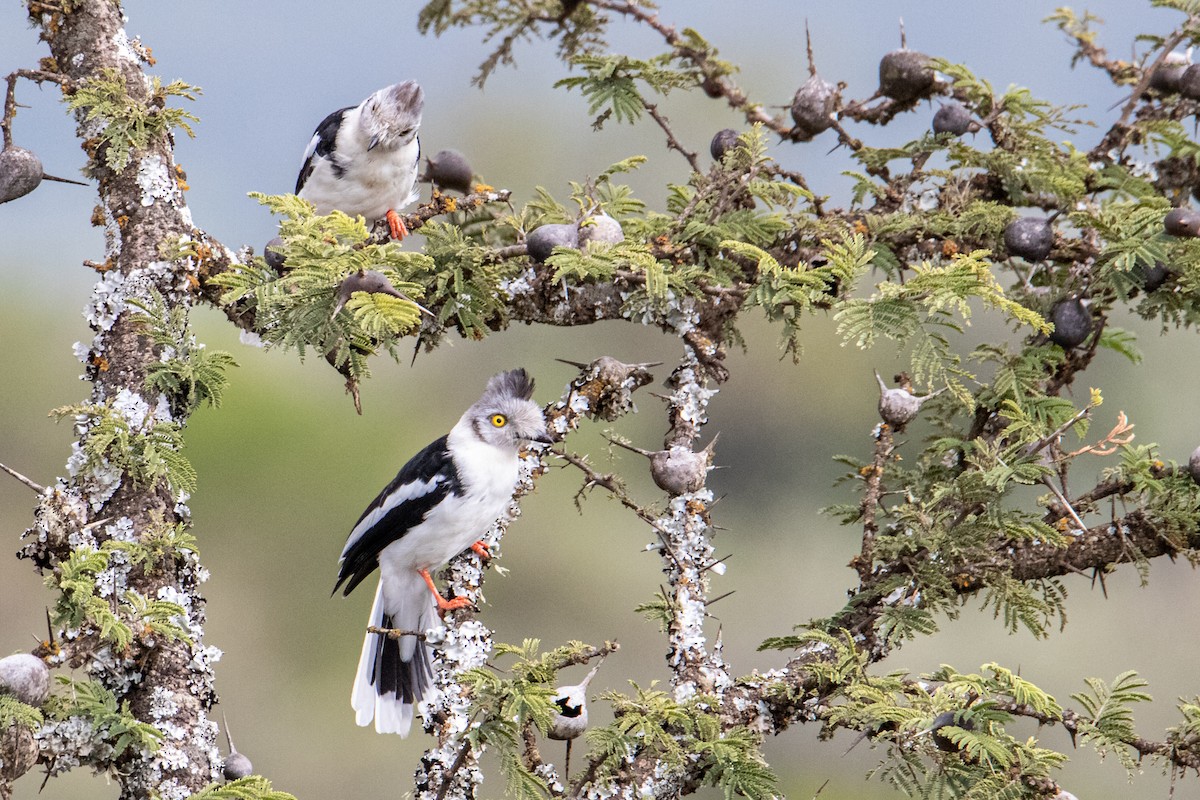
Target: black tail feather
(408, 680)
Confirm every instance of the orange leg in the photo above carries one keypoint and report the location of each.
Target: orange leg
(443, 604)
(396, 225)
(480, 549)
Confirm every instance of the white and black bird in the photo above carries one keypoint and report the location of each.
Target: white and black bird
(571, 719)
(363, 159)
(439, 504)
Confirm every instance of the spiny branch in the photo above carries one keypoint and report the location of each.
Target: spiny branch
(616, 488)
(672, 142)
(37, 487)
(10, 97)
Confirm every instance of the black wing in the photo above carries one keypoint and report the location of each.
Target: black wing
(321, 145)
(421, 484)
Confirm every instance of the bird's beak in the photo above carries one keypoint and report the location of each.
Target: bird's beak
(544, 438)
(373, 143)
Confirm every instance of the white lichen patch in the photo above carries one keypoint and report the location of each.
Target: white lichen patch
(66, 744)
(98, 484)
(519, 285)
(133, 408)
(124, 47)
(107, 301)
(162, 704)
(155, 180)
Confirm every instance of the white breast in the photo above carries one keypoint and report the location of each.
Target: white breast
(373, 182)
(488, 475)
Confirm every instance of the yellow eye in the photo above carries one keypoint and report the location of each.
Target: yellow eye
(499, 420)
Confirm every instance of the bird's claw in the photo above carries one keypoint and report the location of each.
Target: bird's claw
(396, 225)
(453, 604)
(480, 549)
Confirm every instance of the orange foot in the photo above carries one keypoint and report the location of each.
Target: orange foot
(480, 549)
(396, 225)
(443, 605)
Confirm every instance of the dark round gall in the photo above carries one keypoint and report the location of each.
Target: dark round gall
(898, 407)
(600, 228)
(26, 677)
(1194, 465)
(237, 766)
(954, 119)
(274, 257)
(812, 108)
(542, 241)
(679, 470)
(20, 173)
(1072, 323)
(944, 720)
(1189, 82)
(722, 143)
(370, 281)
(449, 170)
(1166, 78)
(18, 753)
(1029, 238)
(1154, 277)
(1182, 222)
(905, 75)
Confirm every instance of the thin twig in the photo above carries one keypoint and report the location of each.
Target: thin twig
(609, 481)
(672, 142)
(395, 633)
(885, 445)
(37, 487)
(1062, 498)
(10, 96)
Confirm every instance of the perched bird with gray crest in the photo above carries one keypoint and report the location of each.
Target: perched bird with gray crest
(362, 160)
(439, 504)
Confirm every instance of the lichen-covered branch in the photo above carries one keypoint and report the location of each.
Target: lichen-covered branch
(451, 769)
(133, 621)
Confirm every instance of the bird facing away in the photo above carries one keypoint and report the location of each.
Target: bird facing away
(363, 159)
(439, 504)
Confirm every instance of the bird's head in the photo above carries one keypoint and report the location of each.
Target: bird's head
(391, 116)
(505, 414)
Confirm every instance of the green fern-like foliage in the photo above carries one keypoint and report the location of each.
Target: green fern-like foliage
(508, 704)
(252, 787)
(510, 23)
(188, 372)
(81, 602)
(787, 294)
(14, 712)
(1108, 725)
(159, 544)
(113, 722)
(982, 759)
(294, 308)
(612, 83)
(146, 454)
(678, 734)
(920, 313)
(127, 124)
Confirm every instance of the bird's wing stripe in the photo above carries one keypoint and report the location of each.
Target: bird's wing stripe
(378, 510)
(421, 484)
(321, 145)
(362, 559)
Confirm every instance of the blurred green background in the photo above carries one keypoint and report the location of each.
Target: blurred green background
(286, 465)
